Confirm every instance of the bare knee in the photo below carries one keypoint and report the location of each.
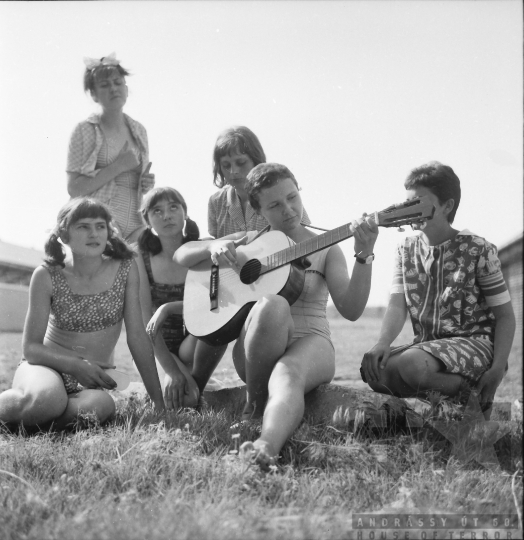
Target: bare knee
(272, 307)
(92, 401)
(417, 372)
(32, 408)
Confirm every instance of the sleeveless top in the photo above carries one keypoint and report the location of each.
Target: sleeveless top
(87, 312)
(173, 329)
(309, 311)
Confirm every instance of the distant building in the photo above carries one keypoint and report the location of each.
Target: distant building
(510, 256)
(17, 264)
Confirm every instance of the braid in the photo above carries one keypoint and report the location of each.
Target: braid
(192, 231)
(54, 251)
(118, 249)
(149, 242)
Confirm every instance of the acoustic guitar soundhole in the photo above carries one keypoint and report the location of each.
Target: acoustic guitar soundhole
(250, 271)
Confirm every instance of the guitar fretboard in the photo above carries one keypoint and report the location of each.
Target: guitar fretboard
(307, 247)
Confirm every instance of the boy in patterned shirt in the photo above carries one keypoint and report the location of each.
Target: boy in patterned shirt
(451, 285)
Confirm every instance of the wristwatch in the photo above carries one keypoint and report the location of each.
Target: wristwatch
(366, 260)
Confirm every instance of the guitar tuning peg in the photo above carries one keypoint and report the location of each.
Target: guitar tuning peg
(400, 229)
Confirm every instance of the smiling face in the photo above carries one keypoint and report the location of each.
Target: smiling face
(167, 217)
(87, 237)
(235, 167)
(111, 91)
(281, 205)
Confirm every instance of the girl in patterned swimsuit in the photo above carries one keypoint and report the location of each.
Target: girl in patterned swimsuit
(108, 153)
(162, 289)
(451, 285)
(237, 150)
(76, 307)
(299, 355)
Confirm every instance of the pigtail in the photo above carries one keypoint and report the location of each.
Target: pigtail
(149, 242)
(54, 251)
(191, 232)
(118, 249)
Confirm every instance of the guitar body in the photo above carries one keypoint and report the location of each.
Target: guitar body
(276, 266)
(235, 299)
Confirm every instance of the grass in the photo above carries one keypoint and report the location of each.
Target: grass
(144, 476)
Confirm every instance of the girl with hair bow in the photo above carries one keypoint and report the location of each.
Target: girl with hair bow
(108, 157)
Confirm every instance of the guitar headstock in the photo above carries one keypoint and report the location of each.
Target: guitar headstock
(416, 210)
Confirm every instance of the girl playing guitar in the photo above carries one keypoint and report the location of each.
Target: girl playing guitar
(285, 351)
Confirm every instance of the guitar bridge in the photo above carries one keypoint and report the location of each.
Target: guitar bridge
(213, 288)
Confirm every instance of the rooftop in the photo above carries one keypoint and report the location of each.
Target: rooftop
(19, 256)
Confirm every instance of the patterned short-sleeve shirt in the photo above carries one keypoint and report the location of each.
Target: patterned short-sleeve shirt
(450, 288)
(225, 215)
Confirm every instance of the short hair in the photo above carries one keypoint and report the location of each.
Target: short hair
(101, 72)
(264, 176)
(440, 179)
(238, 138)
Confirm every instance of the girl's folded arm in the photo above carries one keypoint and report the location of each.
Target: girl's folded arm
(192, 253)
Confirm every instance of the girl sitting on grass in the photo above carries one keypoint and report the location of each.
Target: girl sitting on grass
(76, 307)
(162, 289)
(285, 351)
(237, 150)
(451, 284)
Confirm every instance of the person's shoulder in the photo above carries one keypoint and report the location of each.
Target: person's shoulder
(86, 126)
(466, 236)
(135, 123)
(42, 275)
(219, 196)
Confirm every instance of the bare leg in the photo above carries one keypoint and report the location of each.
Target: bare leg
(205, 360)
(263, 340)
(87, 401)
(307, 363)
(413, 373)
(37, 397)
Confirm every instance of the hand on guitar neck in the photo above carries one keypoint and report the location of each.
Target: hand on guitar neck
(267, 266)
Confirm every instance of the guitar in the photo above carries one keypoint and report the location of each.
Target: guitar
(270, 264)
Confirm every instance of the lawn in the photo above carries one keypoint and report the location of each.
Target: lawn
(144, 476)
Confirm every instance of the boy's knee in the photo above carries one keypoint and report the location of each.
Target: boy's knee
(415, 371)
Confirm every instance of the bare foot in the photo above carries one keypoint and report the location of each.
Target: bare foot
(259, 453)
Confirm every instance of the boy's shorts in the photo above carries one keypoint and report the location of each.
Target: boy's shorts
(470, 357)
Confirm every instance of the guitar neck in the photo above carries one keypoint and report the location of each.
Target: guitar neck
(309, 246)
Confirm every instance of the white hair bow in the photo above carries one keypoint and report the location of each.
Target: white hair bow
(109, 60)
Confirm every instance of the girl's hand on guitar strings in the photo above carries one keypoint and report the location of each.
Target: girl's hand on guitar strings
(224, 251)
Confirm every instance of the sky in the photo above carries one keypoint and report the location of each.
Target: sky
(350, 95)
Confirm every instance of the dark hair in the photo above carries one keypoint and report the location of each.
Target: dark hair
(150, 242)
(264, 176)
(80, 208)
(238, 138)
(101, 72)
(440, 179)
